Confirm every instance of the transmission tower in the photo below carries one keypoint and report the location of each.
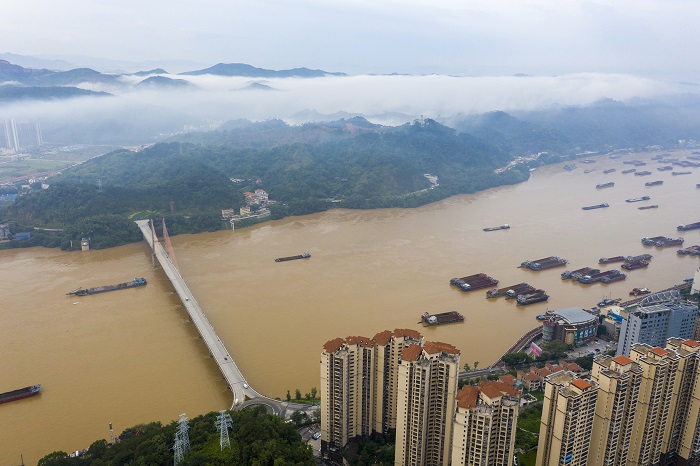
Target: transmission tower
(224, 423)
(182, 439)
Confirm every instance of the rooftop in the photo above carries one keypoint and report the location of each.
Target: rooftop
(574, 315)
(581, 384)
(411, 353)
(432, 347)
(659, 351)
(361, 341)
(382, 338)
(332, 346)
(467, 396)
(622, 360)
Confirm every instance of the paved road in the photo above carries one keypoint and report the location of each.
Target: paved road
(230, 371)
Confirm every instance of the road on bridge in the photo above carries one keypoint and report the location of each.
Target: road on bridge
(236, 382)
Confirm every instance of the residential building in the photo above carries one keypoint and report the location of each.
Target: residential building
(619, 379)
(656, 318)
(347, 408)
(567, 420)
(388, 348)
(572, 326)
(484, 426)
(427, 387)
(695, 287)
(659, 368)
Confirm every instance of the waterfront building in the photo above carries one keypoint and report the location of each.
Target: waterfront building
(567, 420)
(655, 319)
(347, 410)
(484, 426)
(572, 326)
(388, 348)
(695, 287)
(619, 379)
(427, 387)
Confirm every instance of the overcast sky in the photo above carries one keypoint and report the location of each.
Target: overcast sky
(653, 38)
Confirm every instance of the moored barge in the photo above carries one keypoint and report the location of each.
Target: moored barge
(637, 199)
(654, 183)
(576, 274)
(502, 227)
(689, 251)
(597, 206)
(536, 296)
(544, 263)
(635, 265)
(645, 207)
(496, 292)
(688, 226)
(474, 282)
(662, 241)
(605, 185)
(608, 260)
(442, 318)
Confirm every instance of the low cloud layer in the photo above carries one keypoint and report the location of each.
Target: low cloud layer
(385, 99)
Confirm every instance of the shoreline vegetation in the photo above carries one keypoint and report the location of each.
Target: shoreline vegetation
(305, 169)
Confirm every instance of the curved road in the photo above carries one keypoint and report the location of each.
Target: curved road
(236, 382)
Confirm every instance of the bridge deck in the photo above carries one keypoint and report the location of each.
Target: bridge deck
(226, 364)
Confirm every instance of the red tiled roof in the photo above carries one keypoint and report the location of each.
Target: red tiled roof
(622, 360)
(581, 384)
(467, 396)
(692, 343)
(407, 332)
(332, 346)
(361, 341)
(382, 338)
(500, 387)
(659, 351)
(411, 353)
(432, 347)
(508, 379)
(572, 366)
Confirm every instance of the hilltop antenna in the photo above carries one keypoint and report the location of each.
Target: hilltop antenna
(224, 423)
(111, 434)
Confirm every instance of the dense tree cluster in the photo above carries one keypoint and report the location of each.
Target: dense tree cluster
(256, 438)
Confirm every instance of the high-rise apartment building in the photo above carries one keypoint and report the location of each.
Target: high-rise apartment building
(427, 386)
(484, 425)
(16, 135)
(388, 348)
(347, 408)
(659, 367)
(681, 441)
(619, 379)
(567, 420)
(658, 317)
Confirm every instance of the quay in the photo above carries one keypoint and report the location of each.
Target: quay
(234, 378)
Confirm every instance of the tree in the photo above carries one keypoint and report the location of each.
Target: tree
(289, 396)
(297, 394)
(514, 359)
(297, 418)
(586, 362)
(467, 368)
(602, 330)
(555, 348)
(313, 394)
(476, 364)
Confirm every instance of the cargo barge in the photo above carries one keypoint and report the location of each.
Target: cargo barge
(474, 282)
(688, 226)
(536, 296)
(637, 199)
(609, 170)
(570, 166)
(689, 251)
(641, 257)
(497, 292)
(608, 276)
(544, 263)
(517, 291)
(639, 291)
(136, 282)
(631, 170)
(653, 183)
(442, 318)
(662, 241)
(578, 273)
(19, 394)
(680, 173)
(609, 260)
(502, 227)
(642, 173)
(605, 185)
(666, 168)
(653, 206)
(635, 265)
(306, 255)
(597, 206)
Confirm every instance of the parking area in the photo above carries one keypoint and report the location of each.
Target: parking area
(593, 348)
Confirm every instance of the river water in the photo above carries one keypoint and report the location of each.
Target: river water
(132, 356)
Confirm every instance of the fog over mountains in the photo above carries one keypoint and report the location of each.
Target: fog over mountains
(82, 105)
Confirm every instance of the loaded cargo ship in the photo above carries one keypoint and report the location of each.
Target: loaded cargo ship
(442, 318)
(605, 185)
(25, 392)
(536, 296)
(608, 260)
(544, 263)
(653, 206)
(502, 227)
(661, 241)
(653, 183)
(306, 255)
(689, 226)
(631, 170)
(637, 199)
(597, 206)
(136, 282)
(474, 282)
